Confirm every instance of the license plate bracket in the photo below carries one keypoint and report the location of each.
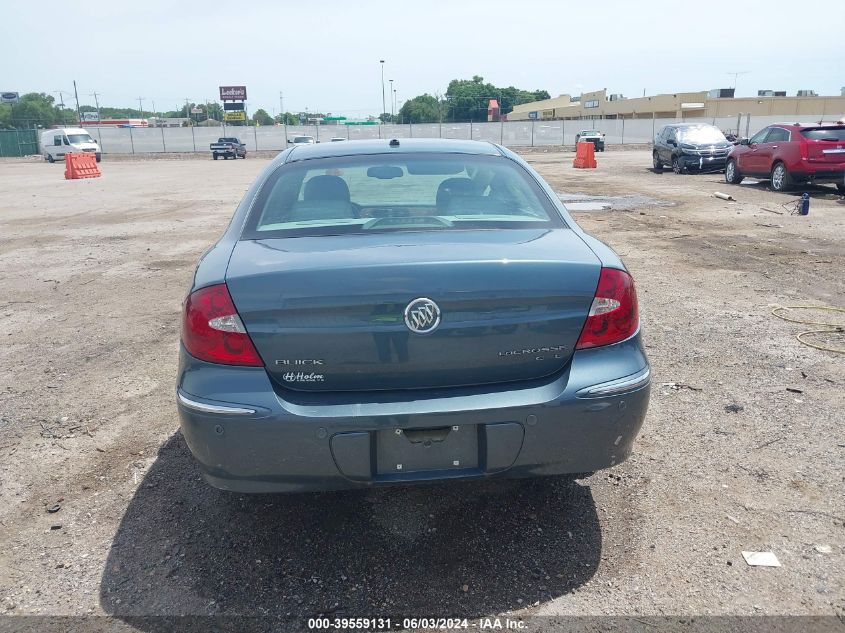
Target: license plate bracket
(403, 451)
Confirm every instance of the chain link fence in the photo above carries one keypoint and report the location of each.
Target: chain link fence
(516, 134)
(18, 142)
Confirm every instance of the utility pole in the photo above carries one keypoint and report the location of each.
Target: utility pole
(76, 94)
(383, 102)
(62, 105)
(141, 105)
(188, 115)
(392, 99)
(97, 103)
(282, 106)
(96, 96)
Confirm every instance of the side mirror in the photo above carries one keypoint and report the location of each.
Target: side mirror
(744, 141)
(669, 141)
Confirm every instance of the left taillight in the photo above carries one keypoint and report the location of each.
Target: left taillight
(212, 330)
(614, 314)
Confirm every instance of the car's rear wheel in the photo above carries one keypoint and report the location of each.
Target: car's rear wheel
(840, 187)
(780, 178)
(658, 164)
(677, 165)
(50, 158)
(732, 175)
(215, 156)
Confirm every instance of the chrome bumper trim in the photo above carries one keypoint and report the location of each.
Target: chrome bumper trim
(212, 408)
(615, 387)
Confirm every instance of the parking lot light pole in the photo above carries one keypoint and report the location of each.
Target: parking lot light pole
(392, 100)
(383, 102)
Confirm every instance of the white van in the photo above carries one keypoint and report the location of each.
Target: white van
(56, 143)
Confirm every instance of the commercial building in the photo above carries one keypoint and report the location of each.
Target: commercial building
(682, 105)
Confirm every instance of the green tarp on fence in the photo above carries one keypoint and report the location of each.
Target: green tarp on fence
(18, 142)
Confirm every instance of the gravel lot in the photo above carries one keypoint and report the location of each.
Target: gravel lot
(743, 447)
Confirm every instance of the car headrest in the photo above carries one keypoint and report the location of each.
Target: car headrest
(451, 188)
(326, 188)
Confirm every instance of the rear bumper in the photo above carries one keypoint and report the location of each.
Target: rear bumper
(822, 174)
(580, 421)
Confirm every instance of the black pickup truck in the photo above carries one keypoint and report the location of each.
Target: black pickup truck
(228, 147)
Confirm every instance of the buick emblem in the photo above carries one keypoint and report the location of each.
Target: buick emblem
(422, 316)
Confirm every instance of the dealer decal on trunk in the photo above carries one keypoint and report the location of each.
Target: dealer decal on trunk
(301, 376)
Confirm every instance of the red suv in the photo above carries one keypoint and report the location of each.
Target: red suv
(790, 154)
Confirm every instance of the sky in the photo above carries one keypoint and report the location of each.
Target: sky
(324, 56)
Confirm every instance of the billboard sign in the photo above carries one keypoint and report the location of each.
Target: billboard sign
(90, 117)
(532, 115)
(232, 93)
(233, 105)
(234, 116)
(9, 97)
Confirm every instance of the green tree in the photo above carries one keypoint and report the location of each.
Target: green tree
(467, 99)
(288, 119)
(422, 109)
(214, 111)
(5, 116)
(261, 117)
(35, 109)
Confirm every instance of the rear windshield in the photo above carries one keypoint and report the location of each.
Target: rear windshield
(590, 133)
(824, 133)
(703, 134)
(303, 139)
(228, 139)
(362, 194)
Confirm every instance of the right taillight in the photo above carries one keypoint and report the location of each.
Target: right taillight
(212, 330)
(804, 148)
(613, 315)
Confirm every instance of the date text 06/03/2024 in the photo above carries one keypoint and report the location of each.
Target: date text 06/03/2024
(386, 624)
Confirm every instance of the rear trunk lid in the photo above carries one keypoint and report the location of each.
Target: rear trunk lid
(825, 144)
(328, 313)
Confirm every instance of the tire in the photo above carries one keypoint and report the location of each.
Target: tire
(215, 156)
(677, 166)
(99, 158)
(50, 158)
(732, 175)
(840, 188)
(780, 178)
(655, 160)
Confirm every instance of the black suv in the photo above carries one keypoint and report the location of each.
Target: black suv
(690, 146)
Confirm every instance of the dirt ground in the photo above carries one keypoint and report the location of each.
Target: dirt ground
(103, 512)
